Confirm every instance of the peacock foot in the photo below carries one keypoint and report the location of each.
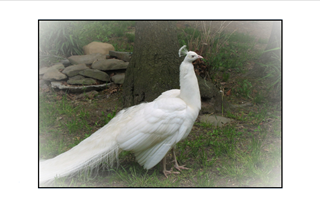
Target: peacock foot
(166, 172)
(178, 167)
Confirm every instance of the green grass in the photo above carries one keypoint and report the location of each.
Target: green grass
(226, 156)
(245, 153)
(244, 89)
(63, 120)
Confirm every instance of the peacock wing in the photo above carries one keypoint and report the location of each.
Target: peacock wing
(153, 129)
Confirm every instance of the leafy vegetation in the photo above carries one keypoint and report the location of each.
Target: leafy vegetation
(273, 72)
(130, 37)
(221, 50)
(60, 39)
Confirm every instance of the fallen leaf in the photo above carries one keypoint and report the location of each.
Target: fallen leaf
(113, 91)
(228, 93)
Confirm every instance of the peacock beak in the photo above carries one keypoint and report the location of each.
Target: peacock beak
(199, 56)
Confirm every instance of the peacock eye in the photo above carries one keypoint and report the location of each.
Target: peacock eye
(192, 56)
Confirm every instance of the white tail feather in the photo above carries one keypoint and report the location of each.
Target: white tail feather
(149, 130)
(87, 155)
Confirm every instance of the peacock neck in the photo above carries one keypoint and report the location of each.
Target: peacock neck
(189, 88)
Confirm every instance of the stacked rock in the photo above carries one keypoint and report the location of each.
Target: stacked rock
(93, 71)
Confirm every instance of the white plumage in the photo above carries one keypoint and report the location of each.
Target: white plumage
(149, 130)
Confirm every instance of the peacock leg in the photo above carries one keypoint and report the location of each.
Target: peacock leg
(165, 171)
(176, 165)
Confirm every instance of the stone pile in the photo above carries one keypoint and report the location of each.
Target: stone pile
(93, 71)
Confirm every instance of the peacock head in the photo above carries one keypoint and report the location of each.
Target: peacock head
(190, 55)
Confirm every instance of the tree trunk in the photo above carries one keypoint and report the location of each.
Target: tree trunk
(154, 66)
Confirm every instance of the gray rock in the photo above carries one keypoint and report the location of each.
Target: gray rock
(241, 105)
(57, 66)
(96, 74)
(119, 78)
(74, 70)
(210, 94)
(43, 84)
(43, 70)
(215, 120)
(66, 62)
(77, 89)
(110, 64)
(207, 89)
(53, 74)
(86, 59)
(125, 56)
(80, 80)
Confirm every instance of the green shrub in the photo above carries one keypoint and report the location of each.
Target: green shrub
(130, 37)
(65, 38)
